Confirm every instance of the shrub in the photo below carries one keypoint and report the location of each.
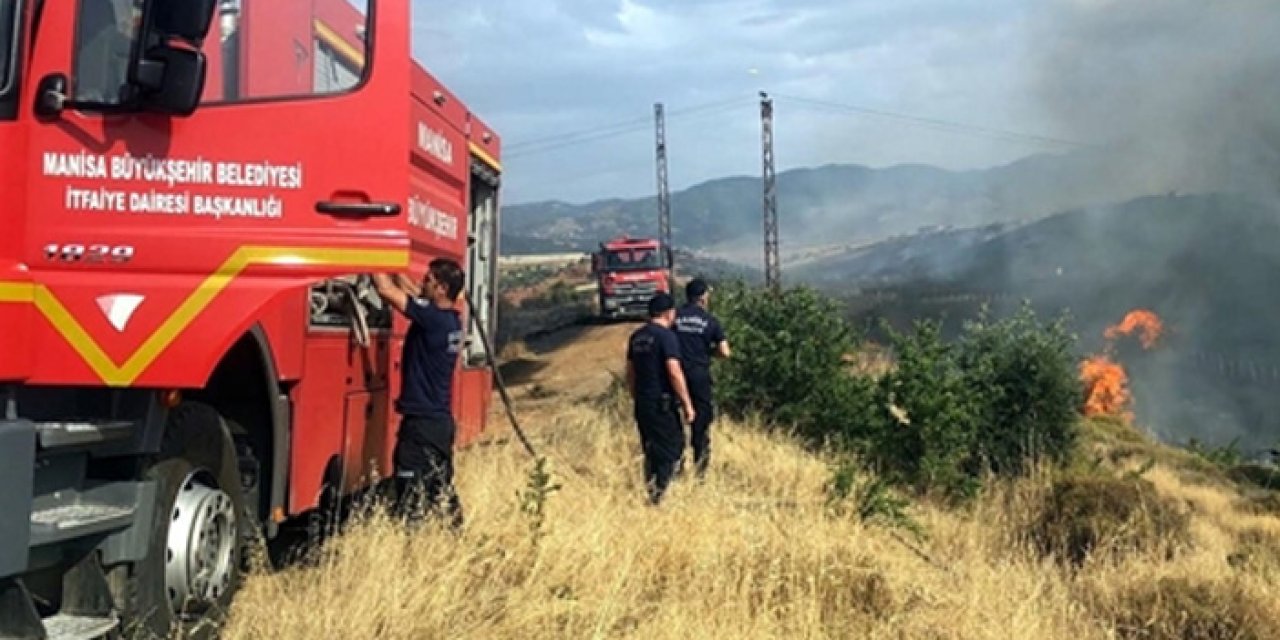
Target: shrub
(1224, 457)
(941, 416)
(1001, 396)
(1257, 475)
(789, 360)
(1176, 608)
(870, 500)
(1024, 374)
(1085, 514)
(930, 435)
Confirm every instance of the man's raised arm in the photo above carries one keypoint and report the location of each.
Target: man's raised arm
(406, 283)
(388, 290)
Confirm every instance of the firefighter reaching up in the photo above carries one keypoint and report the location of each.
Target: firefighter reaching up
(423, 454)
(656, 381)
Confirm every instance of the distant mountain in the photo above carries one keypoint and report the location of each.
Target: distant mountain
(833, 204)
(1204, 250)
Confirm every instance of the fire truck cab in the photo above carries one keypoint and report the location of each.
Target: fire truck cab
(629, 271)
(192, 355)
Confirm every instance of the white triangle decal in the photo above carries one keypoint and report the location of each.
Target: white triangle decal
(119, 308)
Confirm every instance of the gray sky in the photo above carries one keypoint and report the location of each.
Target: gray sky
(539, 69)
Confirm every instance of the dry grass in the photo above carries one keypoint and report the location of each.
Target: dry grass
(756, 553)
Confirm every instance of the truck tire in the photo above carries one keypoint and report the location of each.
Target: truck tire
(184, 586)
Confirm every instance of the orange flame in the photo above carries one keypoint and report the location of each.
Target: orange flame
(1145, 322)
(1106, 379)
(1107, 383)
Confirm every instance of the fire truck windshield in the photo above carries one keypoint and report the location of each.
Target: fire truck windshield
(105, 36)
(8, 28)
(336, 52)
(632, 259)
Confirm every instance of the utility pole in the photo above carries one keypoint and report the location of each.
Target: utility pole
(772, 265)
(664, 198)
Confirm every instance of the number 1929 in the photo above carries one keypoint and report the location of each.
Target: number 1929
(88, 253)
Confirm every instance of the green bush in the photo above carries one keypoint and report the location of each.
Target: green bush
(1025, 376)
(931, 435)
(1002, 394)
(788, 362)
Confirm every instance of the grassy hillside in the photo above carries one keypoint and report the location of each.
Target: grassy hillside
(875, 516)
(760, 551)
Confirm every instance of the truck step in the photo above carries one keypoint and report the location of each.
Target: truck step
(67, 521)
(67, 627)
(76, 434)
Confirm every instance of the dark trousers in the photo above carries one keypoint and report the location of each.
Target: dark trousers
(423, 461)
(699, 382)
(662, 440)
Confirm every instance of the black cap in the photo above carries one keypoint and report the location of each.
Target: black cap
(660, 304)
(695, 288)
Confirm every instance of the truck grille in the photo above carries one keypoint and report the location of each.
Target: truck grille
(635, 288)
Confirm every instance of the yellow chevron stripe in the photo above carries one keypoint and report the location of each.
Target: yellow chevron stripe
(123, 375)
(16, 292)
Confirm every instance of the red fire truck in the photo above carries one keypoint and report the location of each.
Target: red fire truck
(629, 271)
(191, 351)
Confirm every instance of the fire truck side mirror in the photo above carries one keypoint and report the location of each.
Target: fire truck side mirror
(170, 76)
(171, 80)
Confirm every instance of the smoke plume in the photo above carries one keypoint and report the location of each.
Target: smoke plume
(1181, 96)
(1183, 92)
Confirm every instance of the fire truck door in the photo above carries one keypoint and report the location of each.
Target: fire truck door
(290, 148)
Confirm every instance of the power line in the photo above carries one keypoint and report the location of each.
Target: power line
(624, 123)
(643, 127)
(936, 123)
(613, 131)
(558, 137)
(604, 132)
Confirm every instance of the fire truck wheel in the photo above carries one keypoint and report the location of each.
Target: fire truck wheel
(193, 568)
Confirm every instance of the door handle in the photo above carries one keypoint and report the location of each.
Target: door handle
(375, 209)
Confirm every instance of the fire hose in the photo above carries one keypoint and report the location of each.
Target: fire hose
(497, 376)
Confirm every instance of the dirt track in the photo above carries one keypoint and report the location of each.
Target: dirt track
(568, 366)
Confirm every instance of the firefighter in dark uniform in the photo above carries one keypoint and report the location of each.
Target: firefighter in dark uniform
(656, 382)
(701, 337)
(423, 456)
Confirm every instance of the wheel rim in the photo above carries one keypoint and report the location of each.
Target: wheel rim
(199, 560)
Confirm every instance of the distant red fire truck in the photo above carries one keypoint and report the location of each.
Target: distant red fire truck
(629, 271)
(189, 348)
